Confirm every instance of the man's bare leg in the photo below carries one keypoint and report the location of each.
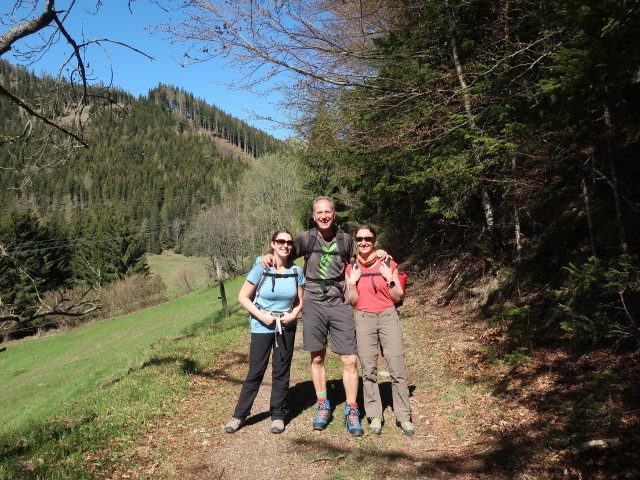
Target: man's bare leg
(350, 381)
(319, 379)
(318, 370)
(350, 377)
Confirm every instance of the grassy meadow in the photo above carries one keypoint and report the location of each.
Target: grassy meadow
(181, 274)
(63, 396)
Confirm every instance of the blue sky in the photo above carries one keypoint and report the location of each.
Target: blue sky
(137, 74)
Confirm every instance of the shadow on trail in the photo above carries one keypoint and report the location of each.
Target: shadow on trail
(396, 463)
(386, 394)
(190, 366)
(303, 396)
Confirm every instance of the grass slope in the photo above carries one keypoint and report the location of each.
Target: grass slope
(180, 273)
(40, 378)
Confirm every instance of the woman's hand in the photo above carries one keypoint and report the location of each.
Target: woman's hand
(287, 317)
(266, 317)
(354, 276)
(386, 272)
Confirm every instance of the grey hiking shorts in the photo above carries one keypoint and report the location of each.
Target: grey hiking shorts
(321, 320)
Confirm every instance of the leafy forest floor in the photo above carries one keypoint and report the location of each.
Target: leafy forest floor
(558, 415)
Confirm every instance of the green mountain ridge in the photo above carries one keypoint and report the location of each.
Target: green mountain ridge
(159, 158)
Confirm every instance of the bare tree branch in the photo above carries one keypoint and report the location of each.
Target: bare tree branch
(61, 303)
(22, 104)
(33, 28)
(22, 30)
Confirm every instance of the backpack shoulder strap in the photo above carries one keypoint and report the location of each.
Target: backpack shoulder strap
(311, 242)
(341, 247)
(295, 270)
(263, 279)
(308, 248)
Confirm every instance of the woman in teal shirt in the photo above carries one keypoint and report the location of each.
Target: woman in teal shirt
(273, 298)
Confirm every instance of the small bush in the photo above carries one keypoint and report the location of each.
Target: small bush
(602, 300)
(509, 341)
(133, 293)
(182, 279)
(519, 323)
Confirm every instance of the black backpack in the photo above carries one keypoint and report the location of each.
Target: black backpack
(310, 249)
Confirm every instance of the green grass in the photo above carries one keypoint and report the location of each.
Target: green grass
(65, 398)
(39, 376)
(174, 268)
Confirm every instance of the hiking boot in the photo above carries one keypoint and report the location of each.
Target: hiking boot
(234, 425)
(376, 426)
(277, 426)
(352, 421)
(407, 428)
(323, 415)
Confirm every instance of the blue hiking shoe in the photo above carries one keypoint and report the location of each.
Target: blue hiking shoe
(323, 415)
(352, 421)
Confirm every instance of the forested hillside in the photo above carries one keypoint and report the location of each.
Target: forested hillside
(496, 139)
(88, 218)
(155, 154)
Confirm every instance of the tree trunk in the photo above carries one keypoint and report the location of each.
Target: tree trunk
(622, 237)
(587, 207)
(484, 193)
(223, 296)
(516, 217)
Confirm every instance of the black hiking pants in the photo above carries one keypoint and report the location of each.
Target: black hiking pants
(262, 345)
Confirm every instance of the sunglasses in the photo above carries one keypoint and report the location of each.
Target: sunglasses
(365, 239)
(282, 241)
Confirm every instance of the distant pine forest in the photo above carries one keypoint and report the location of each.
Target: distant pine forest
(155, 160)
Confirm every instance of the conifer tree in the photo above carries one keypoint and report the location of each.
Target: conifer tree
(33, 261)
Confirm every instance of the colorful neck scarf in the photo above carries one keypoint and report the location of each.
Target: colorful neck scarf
(367, 263)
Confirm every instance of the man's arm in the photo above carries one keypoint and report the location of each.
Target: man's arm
(351, 248)
(299, 245)
(383, 255)
(352, 285)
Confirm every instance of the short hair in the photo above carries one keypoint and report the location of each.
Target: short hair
(366, 227)
(317, 199)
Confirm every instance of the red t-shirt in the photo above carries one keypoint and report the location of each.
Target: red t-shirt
(372, 299)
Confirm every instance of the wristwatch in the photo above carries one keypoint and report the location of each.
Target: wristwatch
(391, 284)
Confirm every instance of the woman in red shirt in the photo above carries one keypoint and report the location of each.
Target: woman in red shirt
(374, 288)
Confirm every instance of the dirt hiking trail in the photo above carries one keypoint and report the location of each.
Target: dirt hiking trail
(463, 429)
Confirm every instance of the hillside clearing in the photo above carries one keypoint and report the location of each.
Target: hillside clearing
(180, 273)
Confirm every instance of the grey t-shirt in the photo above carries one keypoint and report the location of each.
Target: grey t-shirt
(324, 266)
